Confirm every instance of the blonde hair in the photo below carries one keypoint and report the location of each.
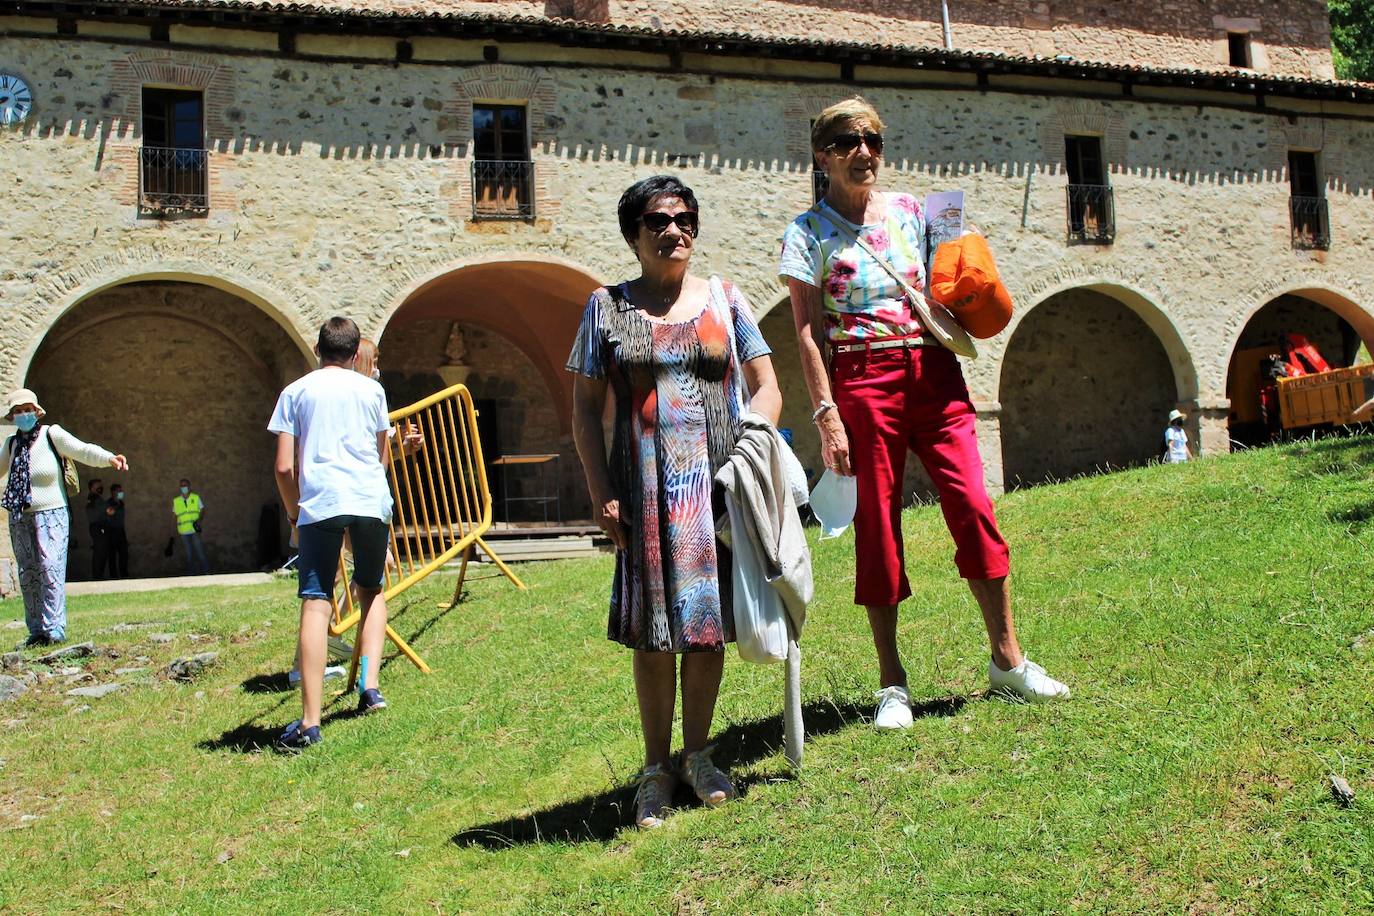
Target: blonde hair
(367, 357)
(834, 119)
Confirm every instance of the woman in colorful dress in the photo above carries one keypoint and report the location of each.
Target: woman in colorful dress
(35, 497)
(670, 346)
(883, 386)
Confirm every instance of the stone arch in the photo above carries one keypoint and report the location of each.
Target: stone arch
(180, 376)
(71, 288)
(1085, 381)
(505, 327)
(1139, 301)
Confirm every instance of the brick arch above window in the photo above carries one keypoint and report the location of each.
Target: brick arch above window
(503, 83)
(179, 70)
(1309, 135)
(1083, 117)
(800, 111)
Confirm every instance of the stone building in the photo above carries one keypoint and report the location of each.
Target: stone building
(198, 184)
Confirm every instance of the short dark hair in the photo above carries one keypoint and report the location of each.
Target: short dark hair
(639, 196)
(92, 482)
(339, 338)
(116, 486)
(184, 480)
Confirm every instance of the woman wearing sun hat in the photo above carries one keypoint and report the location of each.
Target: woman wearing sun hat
(37, 504)
(855, 268)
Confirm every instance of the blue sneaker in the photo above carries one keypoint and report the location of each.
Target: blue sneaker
(296, 739)
(371, 700)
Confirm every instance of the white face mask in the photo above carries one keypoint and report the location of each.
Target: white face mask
(833, 501)
(376, 374)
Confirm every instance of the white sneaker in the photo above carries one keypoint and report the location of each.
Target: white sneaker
(1028, 681)
(331, 673)
(894, 709)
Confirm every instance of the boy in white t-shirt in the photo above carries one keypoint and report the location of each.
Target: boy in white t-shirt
(1176, 439)
(331, 428)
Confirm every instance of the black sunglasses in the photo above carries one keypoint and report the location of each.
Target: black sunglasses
(657, 223)
(846, 143)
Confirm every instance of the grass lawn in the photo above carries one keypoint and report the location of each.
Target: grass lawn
(1208, 617)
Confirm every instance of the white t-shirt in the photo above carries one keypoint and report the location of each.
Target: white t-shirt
(335, 415)
(1177, 441)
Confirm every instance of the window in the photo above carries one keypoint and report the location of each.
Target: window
(1307, 202)
(1092, 218)
(502, 173)
(172, 165)
(1238, 45)
(819, 180)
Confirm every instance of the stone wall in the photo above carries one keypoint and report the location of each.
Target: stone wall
(182, 380)
(1080, 365)
(347, 193)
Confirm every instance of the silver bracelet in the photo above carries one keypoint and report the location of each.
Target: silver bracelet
(820, 411)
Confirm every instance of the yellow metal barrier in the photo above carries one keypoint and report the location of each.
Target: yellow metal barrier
(442, 507)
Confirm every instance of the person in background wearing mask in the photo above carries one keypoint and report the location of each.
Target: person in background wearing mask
(31, 461)
(189, 510)
(118, 541)
(95, 523)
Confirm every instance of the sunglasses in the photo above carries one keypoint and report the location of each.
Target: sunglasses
(844, 144)
(657, 223)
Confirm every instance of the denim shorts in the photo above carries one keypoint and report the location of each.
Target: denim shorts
(320, 544)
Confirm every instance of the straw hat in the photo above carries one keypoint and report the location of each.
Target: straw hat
(18, 398)
(1176, 415)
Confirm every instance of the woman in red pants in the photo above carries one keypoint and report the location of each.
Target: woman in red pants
(891, 387)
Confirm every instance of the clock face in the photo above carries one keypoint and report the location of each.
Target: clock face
(16, 99)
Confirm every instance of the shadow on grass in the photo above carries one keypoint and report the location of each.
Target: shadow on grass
(598, 818)
(1355, 516)
(267, 683)
(254, 735)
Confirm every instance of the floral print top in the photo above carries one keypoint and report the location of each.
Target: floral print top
(861, 299)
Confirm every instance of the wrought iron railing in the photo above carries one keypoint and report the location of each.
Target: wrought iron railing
(502, 189)
(819, 182)
(1092, 214)
(1309, 221)
(173, 180)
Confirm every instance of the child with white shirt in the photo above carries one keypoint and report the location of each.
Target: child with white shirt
(331, 428)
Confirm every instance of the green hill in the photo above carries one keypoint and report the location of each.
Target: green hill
(1213, 619)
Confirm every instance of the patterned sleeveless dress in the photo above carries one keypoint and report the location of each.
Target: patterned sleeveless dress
(675, 425)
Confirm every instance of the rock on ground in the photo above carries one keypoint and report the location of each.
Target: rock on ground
(184, 669)
(11, 688)
(80, 650)
(96, 692)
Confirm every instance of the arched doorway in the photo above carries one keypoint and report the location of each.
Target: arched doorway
(504, 329)
(1335, 325)
(181, 377)
(1087, 382)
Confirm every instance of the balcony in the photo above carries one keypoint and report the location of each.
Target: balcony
(173, 182)
(1310, 224)
(1092, 214)
(502, 189)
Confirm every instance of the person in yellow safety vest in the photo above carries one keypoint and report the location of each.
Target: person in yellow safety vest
(189, 510)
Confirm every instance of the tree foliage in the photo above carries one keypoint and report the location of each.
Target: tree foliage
(1352, 38)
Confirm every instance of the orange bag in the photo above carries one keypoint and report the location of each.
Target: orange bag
(964, 279)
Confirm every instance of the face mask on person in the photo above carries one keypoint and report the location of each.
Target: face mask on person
(120, 496)
(26, 421)
(376, 375)
(185, 491)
